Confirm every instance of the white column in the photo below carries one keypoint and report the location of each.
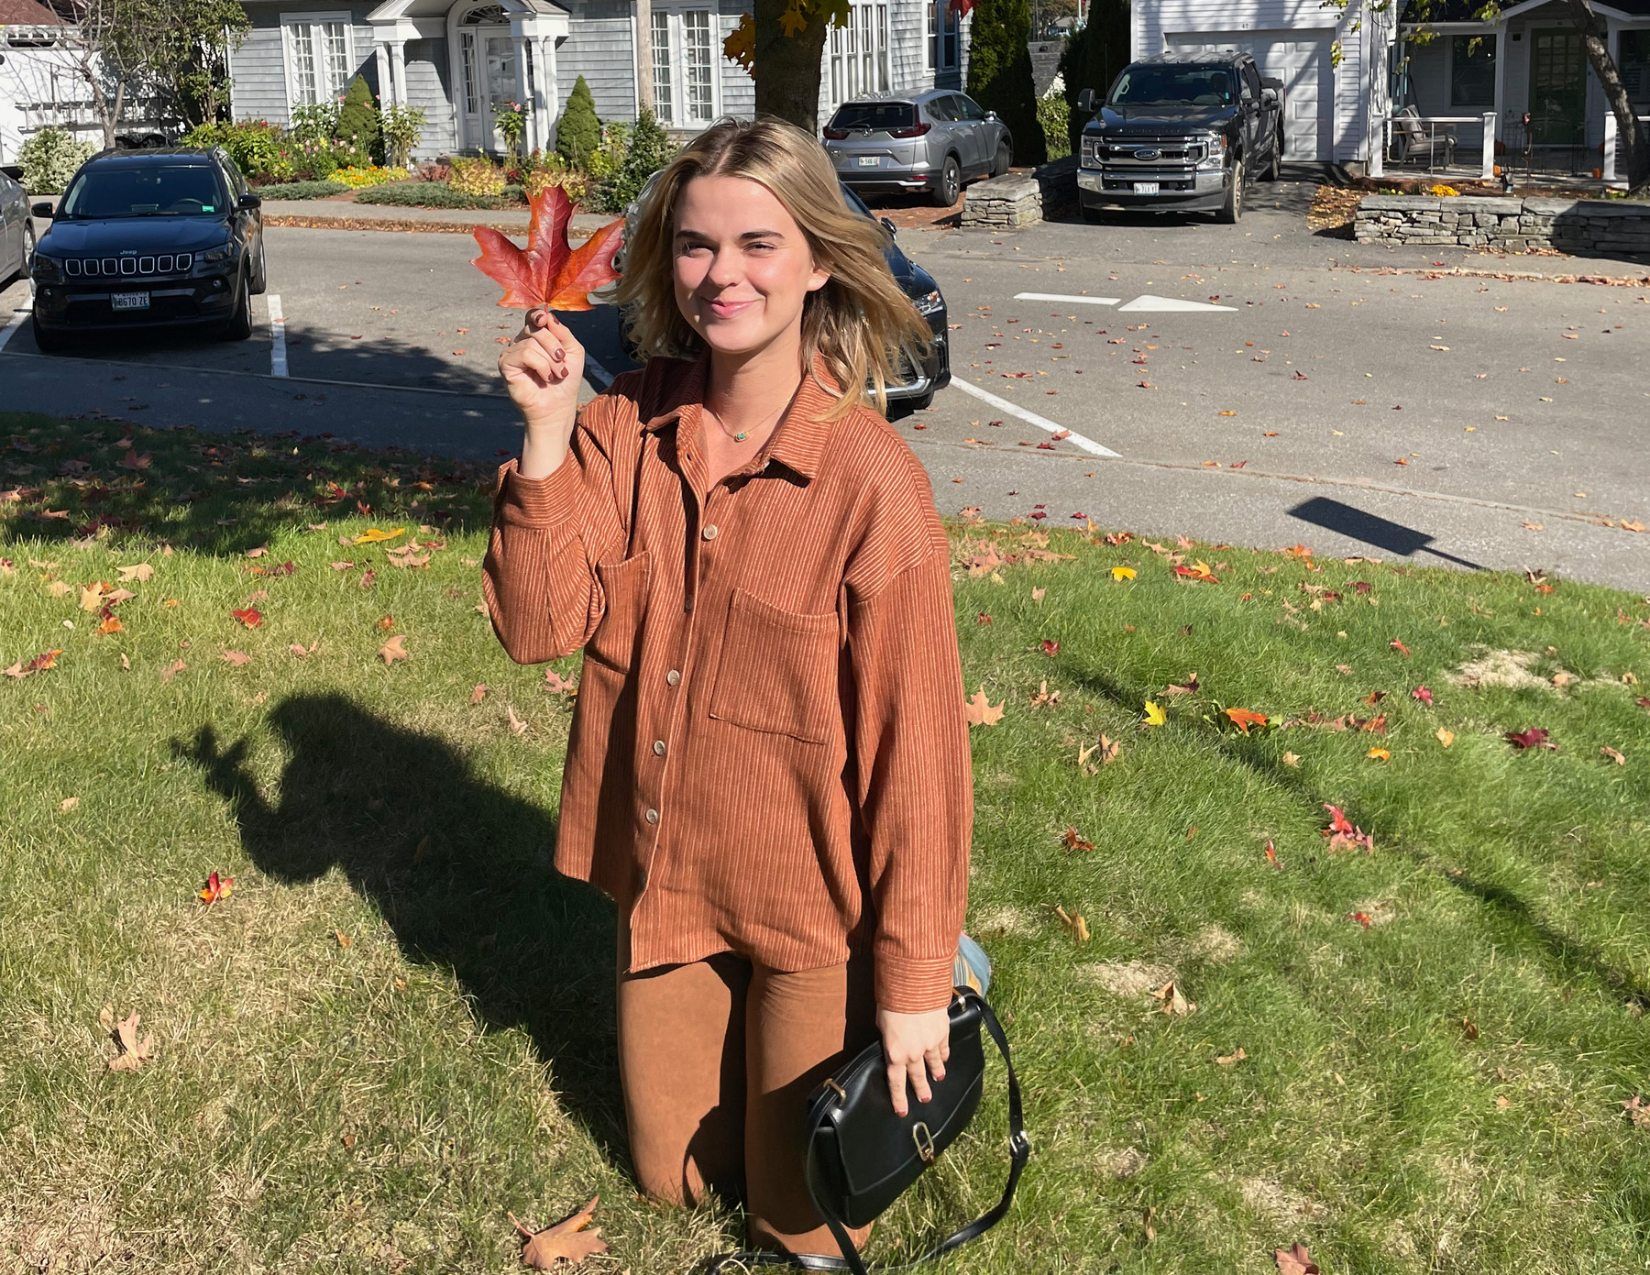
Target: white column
(1500, 88)
(398, 70)
(548, 102)
(519, 43)
(1487, 166)
(1609, 165)
(386, 86)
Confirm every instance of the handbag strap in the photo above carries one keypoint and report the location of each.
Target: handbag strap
(1019, 1146)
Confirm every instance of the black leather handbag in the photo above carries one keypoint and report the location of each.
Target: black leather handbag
(862, 1156)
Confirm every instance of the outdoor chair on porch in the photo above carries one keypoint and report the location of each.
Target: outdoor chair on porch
(1412, 143)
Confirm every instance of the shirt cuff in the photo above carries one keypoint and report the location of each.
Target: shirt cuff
(914, 986)
(537, 502)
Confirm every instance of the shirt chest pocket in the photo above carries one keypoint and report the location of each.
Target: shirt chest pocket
(624, 586)
(778, 670)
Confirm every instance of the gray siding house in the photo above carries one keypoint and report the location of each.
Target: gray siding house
(461, 59)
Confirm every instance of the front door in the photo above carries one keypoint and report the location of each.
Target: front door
(498, 84)
(1558, 88)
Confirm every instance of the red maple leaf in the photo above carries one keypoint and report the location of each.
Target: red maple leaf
(1397, 645)
(1423, 694)
(251, 617)
(1534, 737)
(549, 272)
(216, 888)
(1343, 834)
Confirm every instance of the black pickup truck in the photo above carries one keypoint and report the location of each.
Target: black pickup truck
(1180, 133)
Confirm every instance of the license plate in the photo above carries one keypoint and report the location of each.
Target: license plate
(868, 161)
(129, 301)
(1145, 188)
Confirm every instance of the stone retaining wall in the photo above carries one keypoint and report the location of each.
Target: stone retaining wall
(1020, 199)
(1571, 225)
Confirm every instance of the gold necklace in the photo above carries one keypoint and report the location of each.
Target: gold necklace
(743, 434)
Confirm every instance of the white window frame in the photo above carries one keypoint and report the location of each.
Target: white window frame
(317, 24)
(675, 60)
(861, 54)
(941, 18)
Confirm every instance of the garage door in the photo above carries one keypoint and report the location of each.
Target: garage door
(1304, 65)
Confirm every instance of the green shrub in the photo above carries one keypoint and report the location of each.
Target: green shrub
(258, 147)
(358, 122)
(49, 159)
(999, 73)
(649, 150)
(477, 175)
(317, 122)
(1054, 117)
(579, 132)
(301, 190)
(416, 194)
(604, 161)
(400, 127)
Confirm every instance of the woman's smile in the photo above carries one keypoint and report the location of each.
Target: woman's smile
(727, 309)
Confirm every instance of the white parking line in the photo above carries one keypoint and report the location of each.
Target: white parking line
(16, 322)
(277, 334)
(1041, 422)
(1056, 296)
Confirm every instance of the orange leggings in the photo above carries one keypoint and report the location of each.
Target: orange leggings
(717, 1059)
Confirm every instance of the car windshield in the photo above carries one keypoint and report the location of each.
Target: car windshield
(1192, 85)
(179, 190)
(877, 116)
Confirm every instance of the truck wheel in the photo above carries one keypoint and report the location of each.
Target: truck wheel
(949, 184)
(1233, 208)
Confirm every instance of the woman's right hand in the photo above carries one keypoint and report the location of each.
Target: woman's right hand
(543, 369)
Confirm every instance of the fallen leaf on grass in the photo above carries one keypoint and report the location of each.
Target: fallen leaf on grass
(557, 684)
(1045, 698)
(981, 712)
(1294, 1261)
(479, 693)
(1292, 759)
(1445, 736)
(1188, 687)
(251, 617)
(1074, 840)
(142, 571)
(1074, 922)
(1197, 571)
(1155, 716)
(566, 1241)
(1108, 750)
(39, 664)
(1172, 1001)
(1399, 647)
(1379, 754)
(240, 659)
(1423, 694)
(1226, 1060)
(216, 888)
(1244, 718)
(67, 804)
(1638, 1111)
(1534, 737)
(517, 726)
(132, 1049)
(395, 649)
(1272, 859)
(1614, 755)
(374, 535)
(1343, 834)
(1123, 573)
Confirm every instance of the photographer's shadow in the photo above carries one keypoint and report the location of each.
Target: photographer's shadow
(458, 867)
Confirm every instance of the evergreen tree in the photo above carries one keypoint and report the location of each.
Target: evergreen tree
(578, 132)
(1094, 56)
(358, 118)
(650, 150)
(999, 73)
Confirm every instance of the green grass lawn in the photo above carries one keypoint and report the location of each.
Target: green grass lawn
(398, 1027)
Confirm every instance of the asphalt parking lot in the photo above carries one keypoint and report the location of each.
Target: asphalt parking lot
(1254, 383)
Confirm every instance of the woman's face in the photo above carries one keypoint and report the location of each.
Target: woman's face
(742, 265)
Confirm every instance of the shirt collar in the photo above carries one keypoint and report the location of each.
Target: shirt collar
(797, 442)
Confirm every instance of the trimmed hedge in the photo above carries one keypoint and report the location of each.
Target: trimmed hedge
(435, 195)
(300, 190)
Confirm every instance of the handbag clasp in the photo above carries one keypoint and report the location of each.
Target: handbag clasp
(841, 1093)
(924, 1141)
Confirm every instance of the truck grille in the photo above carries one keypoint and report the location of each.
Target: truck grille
(1150, 152)
(128, 267)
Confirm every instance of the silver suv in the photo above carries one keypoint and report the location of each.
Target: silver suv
(887, 143)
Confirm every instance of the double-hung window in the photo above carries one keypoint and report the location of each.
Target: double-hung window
(860, 52)
(686, 51)
(939, 50)
(320, 56)
(1472, 71)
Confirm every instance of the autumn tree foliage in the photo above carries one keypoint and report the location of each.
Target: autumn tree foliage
(999, 73)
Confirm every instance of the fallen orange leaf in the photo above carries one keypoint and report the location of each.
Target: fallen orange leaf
(566, 1241)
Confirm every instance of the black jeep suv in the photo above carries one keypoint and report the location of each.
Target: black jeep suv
(153, 238)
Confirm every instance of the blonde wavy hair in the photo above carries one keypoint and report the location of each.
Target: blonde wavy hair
(861, 320)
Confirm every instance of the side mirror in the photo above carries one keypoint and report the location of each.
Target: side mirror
(42, 209)
(1085, 101)
(1272, 82)
(247, 202)
(991, 115)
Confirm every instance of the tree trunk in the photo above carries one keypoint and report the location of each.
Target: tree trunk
(1634, 143)
(788, 67)
(644, 57)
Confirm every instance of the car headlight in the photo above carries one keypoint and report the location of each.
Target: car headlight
(216, 256)
(929, 303)
(1091, 150)
(1214, 151)
(47, 269)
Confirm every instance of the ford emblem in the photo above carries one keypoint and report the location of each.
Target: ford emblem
(1148, 155)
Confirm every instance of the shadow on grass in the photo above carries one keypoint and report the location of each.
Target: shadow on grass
(217, 494)
(458, 867)
(1576, 959)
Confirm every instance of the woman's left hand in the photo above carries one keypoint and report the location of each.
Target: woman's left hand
(915, 1046)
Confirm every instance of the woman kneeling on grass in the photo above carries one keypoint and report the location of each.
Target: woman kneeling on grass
(768, 769)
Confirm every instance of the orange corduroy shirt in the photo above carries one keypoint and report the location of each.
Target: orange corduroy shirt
(768, 751)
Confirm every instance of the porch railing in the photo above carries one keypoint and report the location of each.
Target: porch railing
(1407, 140)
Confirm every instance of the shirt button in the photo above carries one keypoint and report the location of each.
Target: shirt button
(652, 816)
(658, 748)
(710, 532)
(673, 677)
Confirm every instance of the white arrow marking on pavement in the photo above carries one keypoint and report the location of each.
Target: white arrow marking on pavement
(1149, 302)
(1041, 422)
(1056, 296)
(277, 333)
